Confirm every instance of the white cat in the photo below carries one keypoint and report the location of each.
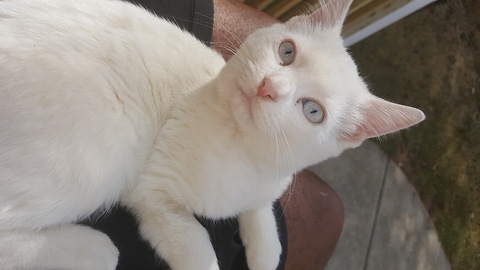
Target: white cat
(102, 102)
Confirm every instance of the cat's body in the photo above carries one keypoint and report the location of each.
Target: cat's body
(115, 90)
(102, 102)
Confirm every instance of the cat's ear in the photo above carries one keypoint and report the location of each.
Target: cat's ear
(330, 14)
(381, 117)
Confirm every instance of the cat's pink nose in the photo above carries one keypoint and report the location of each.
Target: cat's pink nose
(266, 90)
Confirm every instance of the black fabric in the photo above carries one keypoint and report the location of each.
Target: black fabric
(228, 245)
(136, 254)
(122, 228)
(195, 16)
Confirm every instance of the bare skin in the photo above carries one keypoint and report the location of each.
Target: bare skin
(313, 211)
(314, 216)
(233, 22)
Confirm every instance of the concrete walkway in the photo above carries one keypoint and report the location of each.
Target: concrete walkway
(386, 225)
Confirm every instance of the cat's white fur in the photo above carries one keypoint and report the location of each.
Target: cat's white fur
(102, 102)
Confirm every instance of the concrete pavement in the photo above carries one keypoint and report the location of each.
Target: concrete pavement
(386, 225)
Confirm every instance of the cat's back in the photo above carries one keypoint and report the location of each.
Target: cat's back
(84, 87)
(85, 43)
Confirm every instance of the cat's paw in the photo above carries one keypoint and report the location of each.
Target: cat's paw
(258, 231)
(263, 255)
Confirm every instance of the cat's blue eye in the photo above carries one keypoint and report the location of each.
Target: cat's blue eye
(313, 111)
(286, 52)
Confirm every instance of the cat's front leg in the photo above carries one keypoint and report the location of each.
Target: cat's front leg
(174, 232)
(258, 230)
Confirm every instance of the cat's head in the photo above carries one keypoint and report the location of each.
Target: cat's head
(295, 86)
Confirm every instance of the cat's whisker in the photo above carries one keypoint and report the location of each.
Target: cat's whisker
(293, 172)
(277, 155)
(231, 48)
(248, 53)
(246, 56)
(226, 29)
(288, 154)
(291, 160)
(240, 55)
(225, 46)
(289, 192)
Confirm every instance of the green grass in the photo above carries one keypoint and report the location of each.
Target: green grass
(431, 60)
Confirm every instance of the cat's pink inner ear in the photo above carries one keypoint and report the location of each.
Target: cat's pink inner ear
(382, 117)
(331, 14)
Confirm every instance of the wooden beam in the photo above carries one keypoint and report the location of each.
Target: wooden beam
(303, 7)
(369, 13)
(280, 7)
(377, 25)
(259, 4)
(358, 4)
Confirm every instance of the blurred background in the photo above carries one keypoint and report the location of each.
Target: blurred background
(425, 54)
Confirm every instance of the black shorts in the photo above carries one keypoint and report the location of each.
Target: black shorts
(195, 16)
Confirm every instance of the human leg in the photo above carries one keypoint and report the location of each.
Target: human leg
(314, 216)
(233, 22)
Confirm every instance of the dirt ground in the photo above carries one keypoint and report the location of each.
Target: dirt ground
(431, 60)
